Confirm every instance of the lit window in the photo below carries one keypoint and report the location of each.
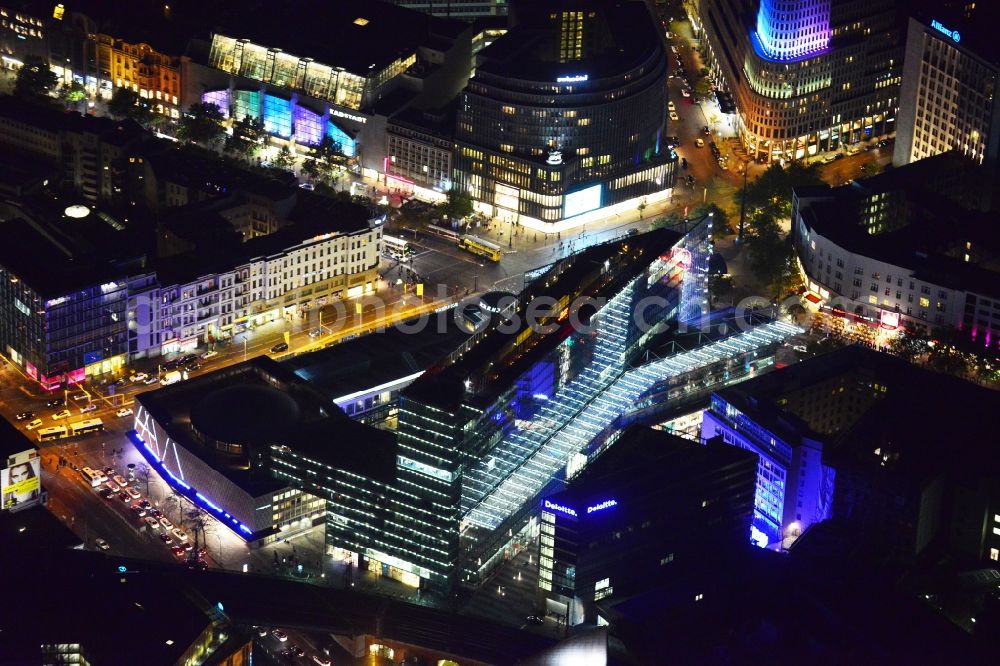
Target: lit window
(924, 302)
(994, 554)
(361, 21)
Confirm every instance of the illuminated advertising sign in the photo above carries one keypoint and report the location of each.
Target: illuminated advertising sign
(889, 319)
(20, 482)
(953, 34)
(350, 116)
(552, 506)
(606, 504)
(576, 78)
(582, 201)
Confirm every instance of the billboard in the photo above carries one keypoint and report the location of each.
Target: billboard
(582, 201)
(20, 480)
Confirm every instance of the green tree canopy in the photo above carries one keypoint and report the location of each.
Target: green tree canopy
(248, 137)
(720, 218)
(672, 219)
(202, 124)
(35, 79)
(326, 163)
(458, 205)
(126, 103)
(284, 160)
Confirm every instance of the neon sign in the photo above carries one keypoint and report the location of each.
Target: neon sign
(606, 504)
(578, 78)
(350, 116)
(954, 34)
(552, 506)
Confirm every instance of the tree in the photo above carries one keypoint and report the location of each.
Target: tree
(703, 88)
(641, 207)
(326, 161)
(871, 169)
(909, 347)
(720, 218)
(35, 79)
(284, 160)
(126, 103)
(201, 124)
(72, 93)
(248, 137)
(458, 205)
(142, 473)
(672, 219)
(770, 253)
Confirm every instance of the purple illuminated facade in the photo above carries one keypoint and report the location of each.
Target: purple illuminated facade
(308, 127)
(792, 29)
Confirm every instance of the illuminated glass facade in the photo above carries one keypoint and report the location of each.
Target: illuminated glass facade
(246, 103)
(277, 116)
(308, 126)
(220, 98)
(810, 75)
(347, 145)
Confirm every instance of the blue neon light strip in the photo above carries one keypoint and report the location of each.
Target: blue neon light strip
(183, 488)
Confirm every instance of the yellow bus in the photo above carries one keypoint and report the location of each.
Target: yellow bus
(55, 432)
(480, 247)
(85, 427)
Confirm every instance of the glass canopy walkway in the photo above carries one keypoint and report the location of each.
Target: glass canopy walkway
(526, 459)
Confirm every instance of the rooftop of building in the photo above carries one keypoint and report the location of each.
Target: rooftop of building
(133, 617)
(617, 36)
(363, 38)
(380, 358)
(910, 445)
(36, 529)
(968, 31)
(12, 440)
(50, 117)
(259, 403)
(58, 244)
(495, 359)
(211, 244)
(930, 221)
(643, 457)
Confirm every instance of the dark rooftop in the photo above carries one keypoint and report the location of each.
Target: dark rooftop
(56, 254)
(12, 440)
(620, 38)
(36, 529)
(494, 359)
(267, 404)
(363, 38)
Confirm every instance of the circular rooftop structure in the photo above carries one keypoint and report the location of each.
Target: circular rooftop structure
(241, 415)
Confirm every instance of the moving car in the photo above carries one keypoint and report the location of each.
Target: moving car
(34, 424)
(133, 493)
(105, 493)
(153, 524)
(80, 397)
(322, 661)
(55, 402)
(25, 415)
(209, 354)
(102, 544)
(123, 496)
(123, 412)
(141, 377)
(315, 333)
(150, 380)
(280, 347)
(179, 535)
(61, 415)
(279, 634)
(88, 408)
(167, 525)
(113, 487)
(699, 142)
(296, 650)
(534, 619)
(138, 511)
(685, 93)
(178, 551)
(171, 377)
(670, 106)
(706, 131)
(166, 538)
(674, 116)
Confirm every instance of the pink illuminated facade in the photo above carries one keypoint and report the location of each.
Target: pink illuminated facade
(812, 76)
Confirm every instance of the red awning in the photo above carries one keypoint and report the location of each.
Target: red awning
(814, 299)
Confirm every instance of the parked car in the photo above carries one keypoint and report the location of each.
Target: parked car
(138, 511)
(674, 116)
(61, 415)
(280, 347)
(123, 496)
(209, 354)
(279, 634)
(179, 535)
(34, 424)
(534, 619)
(315, 333)
(102, 544)
(699, 142)
(88, 408)
(123, 412)
(105, 493)
(152, 522)
(178, 551)
(166, 538)
(150, 380)
(141, 377)
(55, 402)
(80, 397)
(25, 415)
(167, 525)
(112, 486)
(670, 106)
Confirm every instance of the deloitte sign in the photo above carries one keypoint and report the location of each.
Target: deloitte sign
(606, 504)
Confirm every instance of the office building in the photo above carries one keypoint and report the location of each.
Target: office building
(565, 118)
(208, 438)
(20, 471)
(911, 248)
(459, 9)
(948, 101)
(22, 34)
(419, 153)
(649, 507)
(851, 435)
(334, 69)
(87, 154)
(67, 271)
(806, 76)
(153, 75)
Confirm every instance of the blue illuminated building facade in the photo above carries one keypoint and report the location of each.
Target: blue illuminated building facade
(643, 514)
(806, 76)
(285, 117)
(794, 488)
